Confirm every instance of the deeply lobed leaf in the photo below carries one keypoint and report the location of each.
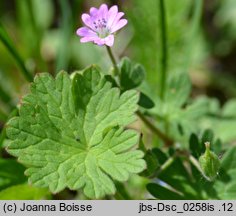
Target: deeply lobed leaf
(71, 134)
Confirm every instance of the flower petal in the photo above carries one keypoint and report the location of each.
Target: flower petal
(93, 11)
(85, 32)
(103, 11)
(87, 39)
(99, 41)
(88, 20)
(109, 41)
(107, 21)
(112, 13)
(117, 19)
(119, 25)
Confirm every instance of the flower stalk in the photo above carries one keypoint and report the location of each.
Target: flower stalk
(113, 60)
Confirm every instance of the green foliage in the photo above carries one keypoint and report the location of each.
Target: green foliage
(225, 186)
(131, 75)
(197, 146)
(176, 182)
(24, 192)
(71, 133)
(152, 164)
(178, 115)
(11, 173)
(145, 101)
(221, 120)
(181, 180)
(178, 90)
(162, 193)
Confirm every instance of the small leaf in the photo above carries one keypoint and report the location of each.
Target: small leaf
(160, 155)
(111, 79)
(131, 76)
(71, 133)
(152, 164)
(207, 136)
(195, 146)
(145, 101)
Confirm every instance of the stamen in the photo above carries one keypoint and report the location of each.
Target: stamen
(101, 27)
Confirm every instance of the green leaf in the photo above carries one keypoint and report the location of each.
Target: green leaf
(131, 76)
(71, 134)
(145, 101)
(160, 155)
(229, 159)
(207, 136)
(195, 146)
(24, 192)
(112, 80)
(11, 173)
(174, 180)
(152, 164)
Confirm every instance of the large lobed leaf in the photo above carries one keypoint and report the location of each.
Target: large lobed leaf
(71, 133)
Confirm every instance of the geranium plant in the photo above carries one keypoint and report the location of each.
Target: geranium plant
(97, 131)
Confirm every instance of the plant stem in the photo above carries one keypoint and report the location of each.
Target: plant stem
(166, 164)
(195, 163)
(116, 71)
(164, 54)
(155, 130)
(10, 47)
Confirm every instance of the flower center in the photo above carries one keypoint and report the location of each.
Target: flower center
(101, 28)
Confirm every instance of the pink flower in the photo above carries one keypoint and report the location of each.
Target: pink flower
(100, 25)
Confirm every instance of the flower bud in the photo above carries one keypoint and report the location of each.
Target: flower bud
(209, 163)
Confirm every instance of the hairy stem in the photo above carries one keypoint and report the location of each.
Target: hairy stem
(164, 51)
(168, 142)
(195, 163)
(167, 164)
(116, 69)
